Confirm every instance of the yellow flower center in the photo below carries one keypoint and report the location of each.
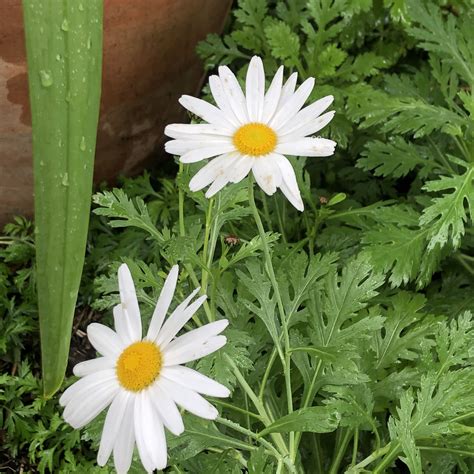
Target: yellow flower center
(255, 139)
(139, 365)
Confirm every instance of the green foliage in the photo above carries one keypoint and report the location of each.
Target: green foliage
(350, 350)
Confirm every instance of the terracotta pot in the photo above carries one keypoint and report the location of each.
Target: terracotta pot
(149, 61)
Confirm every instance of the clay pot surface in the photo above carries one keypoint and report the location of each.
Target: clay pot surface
(149, 62)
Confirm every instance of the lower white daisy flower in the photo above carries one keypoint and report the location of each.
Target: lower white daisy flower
(252, 132)
(143, 380)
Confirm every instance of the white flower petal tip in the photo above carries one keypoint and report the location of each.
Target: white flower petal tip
(249, 125)
(133, 381)
(327, 101)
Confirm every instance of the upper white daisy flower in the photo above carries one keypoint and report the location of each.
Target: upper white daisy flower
(142, 379)
(252, 131)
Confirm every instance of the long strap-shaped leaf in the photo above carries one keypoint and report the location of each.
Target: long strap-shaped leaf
(64, 51)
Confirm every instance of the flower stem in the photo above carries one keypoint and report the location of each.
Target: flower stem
(341, 448)
(182, 229)
(355, 447)
(388, 459)
(267, 373)
(187, 266)
(277, 437)
(369, 459)
(271, 273)
(262, 441)
(210, 241)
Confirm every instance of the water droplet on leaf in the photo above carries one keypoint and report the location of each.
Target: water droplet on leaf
(46, 78)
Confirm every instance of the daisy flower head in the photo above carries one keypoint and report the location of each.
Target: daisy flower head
(143, 379)
(252, 131)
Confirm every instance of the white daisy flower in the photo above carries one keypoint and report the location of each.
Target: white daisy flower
(252, 132)
(143, 380)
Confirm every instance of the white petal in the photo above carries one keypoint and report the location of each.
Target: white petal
(200, 154)
(182, 146)
(255, 89)
(93, 365)
(288, 90)
(240, 168)
(167, 410)
(296, 201)
(125, 441)
(272, 97)
(292, 105)
(196, 381)
(112, 424)
(181, 315)
(189, 400)
(217, 185)
(163, 303)
(87, 384)
(149, 433)
(206, 111)
(234, 93)
(196, 336)
(209, 172)
(140, 439)
(267, 174)
(307, 115)
(217, 91)
(128, 297)
(192, 352)
(193, 130)
(104, 340)
(308, 146)
(81, 410)
(289, 185)
(124, 326)
(308, 129)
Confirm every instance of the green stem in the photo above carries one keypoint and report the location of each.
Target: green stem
(466, 265)
(317, 453)
(280, 221)
(210, 242)
(310, 393)
(182, 228)
(277, 437)
(187, 266)
(283, 319)
(207, 232)
(340, 451)
(445, 162)
(266, 212)
(237, 409)
(271, 361)
(462, 148)
(388, 459)
(262, 441)
(370, 459)
(458, 452)
(355, 447)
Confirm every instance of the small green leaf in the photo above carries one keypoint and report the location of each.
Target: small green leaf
(339, 197)
(311, 419)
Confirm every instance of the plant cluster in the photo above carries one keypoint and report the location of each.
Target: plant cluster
(351, 333)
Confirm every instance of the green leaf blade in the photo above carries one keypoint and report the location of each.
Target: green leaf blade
(64, 82)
